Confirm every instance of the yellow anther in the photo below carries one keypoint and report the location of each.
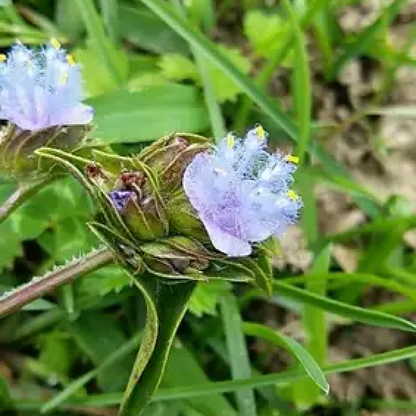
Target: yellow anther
(230, 141)
(3, 57)
(292, 195)
(292, 159)
(219, 170)
(260, 132)
(55, 43)
(64, 78)
(71, 60)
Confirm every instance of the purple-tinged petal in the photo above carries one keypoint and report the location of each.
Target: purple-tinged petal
(80, 114)
(225, 242)
(41, 88)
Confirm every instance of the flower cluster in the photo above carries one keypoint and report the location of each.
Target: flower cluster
(41, 88)
(242, 193)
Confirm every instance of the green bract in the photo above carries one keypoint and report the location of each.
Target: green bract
(17, 147)
(146, 218)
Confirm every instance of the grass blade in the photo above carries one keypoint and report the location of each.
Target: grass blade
(198, 40)
(343, 309)
(100, 41)
(301, 354)
(301, 84)
(237, 352)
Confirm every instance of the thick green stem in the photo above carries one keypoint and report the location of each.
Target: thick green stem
(17, 298)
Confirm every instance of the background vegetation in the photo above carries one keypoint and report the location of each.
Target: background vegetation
(332, 81)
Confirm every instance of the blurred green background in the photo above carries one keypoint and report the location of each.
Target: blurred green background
(334, 82)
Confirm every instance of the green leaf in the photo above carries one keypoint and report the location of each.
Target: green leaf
(366, 37)
(283, 378)
(98, 79)
(144, 29)
(237, 353)
(178, 68)
(166, 306)
(354, 312)
(276, 379)
(101, 44)
(99, 335)
(301, 354)
(183, 369)
(106, 280)
(265, 31)
(315, 327)
(110, 361)
(158, 110)
(301, 84)
(206, 297)
(194, 37)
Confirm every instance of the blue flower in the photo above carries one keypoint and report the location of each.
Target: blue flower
(41, 88)
(242, 193)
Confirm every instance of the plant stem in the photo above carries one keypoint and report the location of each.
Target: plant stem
(37, 287)
(22, 194)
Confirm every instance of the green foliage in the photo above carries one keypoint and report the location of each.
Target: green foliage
(179, 68)
(265, 31)
(153, 67)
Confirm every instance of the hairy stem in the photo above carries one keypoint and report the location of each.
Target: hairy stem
(39, 286)
(22, 194)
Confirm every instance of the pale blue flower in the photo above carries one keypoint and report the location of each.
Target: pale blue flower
(41, 88)
(242, 193)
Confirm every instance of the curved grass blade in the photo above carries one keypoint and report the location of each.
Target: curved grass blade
(343, 309)
(73, 387)
(199, 41)
(301, 87)
(237, 353)
(297, 350)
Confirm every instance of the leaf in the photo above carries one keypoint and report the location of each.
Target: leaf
(366, 37)
(166, 305)
(106, 280)
(144, 29)
(98, 79)
(306, 360)
(301, 89)
(99, 335)
(183, 369)
(354, 312)
(237, 353)
(158, 110)
(194, 37)
(107, 52)
(206, 297)
(283, 378)
(114, 358)
(178, 68)
(314, 321)
(265, 31)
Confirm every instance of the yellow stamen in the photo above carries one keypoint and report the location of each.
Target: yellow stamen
(260, 132)
(3, 57)
(71, 60)
(219, 170)
(64, 78)
(230, 141)
(292, 159)
(292, 195)
(55, 43)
